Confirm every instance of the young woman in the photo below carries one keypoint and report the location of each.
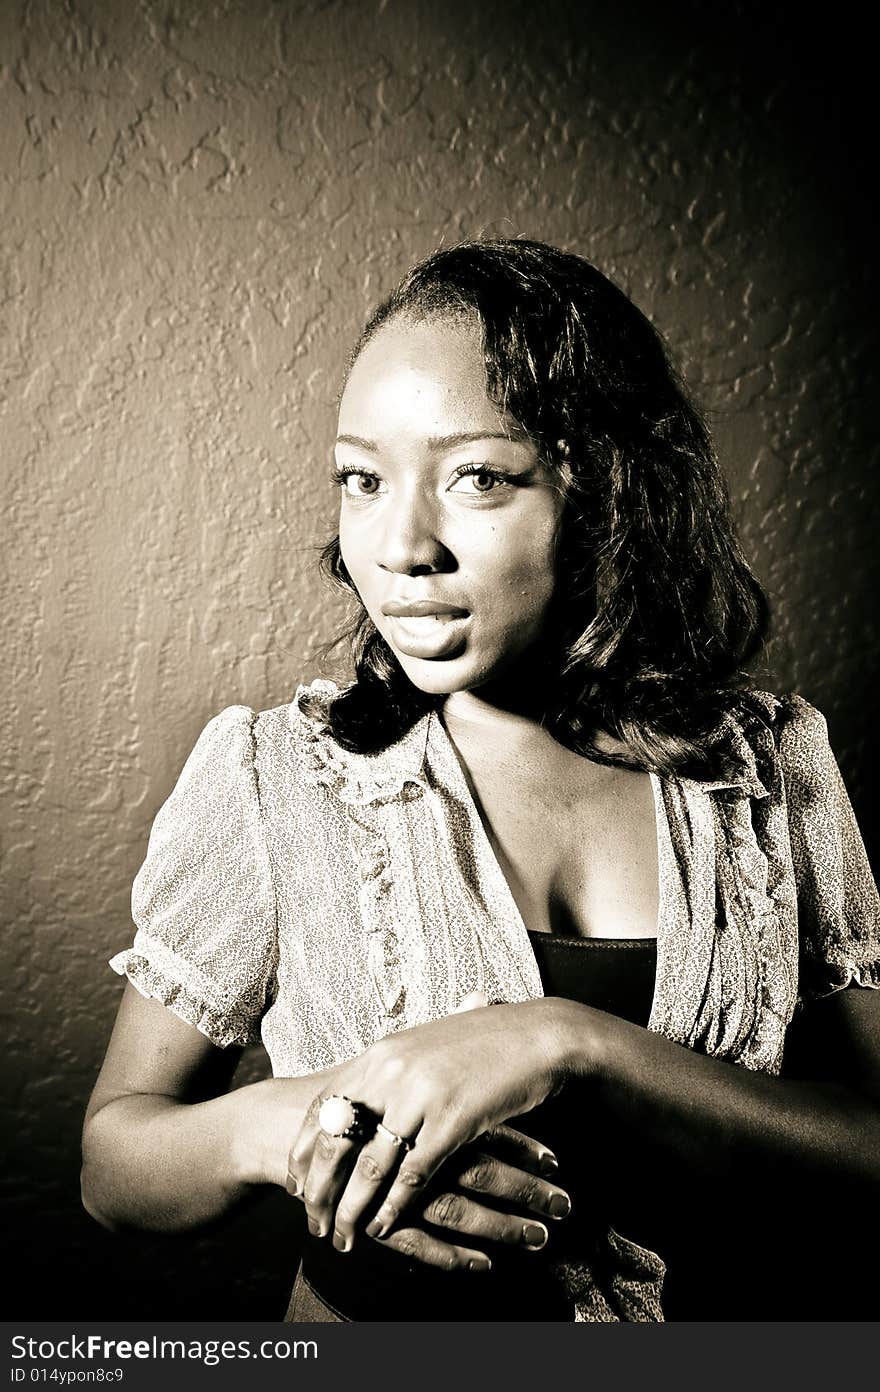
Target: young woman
(529, 916)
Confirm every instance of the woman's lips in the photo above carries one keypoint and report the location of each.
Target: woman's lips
(436, 634)
(422, 608)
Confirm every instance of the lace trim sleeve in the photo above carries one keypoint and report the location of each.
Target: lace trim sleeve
(838, 906)
(203, 901)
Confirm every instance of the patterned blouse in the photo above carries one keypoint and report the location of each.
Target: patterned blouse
(316, 900)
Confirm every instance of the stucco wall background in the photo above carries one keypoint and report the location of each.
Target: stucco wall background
(200, 201)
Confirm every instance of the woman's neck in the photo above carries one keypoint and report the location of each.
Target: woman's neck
(483, 729)
(503, 725)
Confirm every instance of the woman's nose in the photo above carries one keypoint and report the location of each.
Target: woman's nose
(411, 543)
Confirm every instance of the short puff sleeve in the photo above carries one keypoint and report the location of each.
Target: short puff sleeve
(203, 901)
(838, 906)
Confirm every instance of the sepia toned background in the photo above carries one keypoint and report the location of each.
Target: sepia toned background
(200, 202)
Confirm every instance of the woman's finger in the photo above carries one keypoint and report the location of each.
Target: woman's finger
(467, 1216)
(331, 1162)
(417, 1169)
(372, 1173)
(424, 1247)
(299, 1156)
(517, 1190)
(320, 1162)
(519, 1149)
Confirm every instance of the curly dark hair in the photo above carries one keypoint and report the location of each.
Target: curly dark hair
(657, 611)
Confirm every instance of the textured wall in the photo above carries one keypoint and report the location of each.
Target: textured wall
(199, 203)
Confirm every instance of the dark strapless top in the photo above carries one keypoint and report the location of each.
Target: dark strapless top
(612, 974)
(374, 1283)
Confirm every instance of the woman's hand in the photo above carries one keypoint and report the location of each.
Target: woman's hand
(500, 1191)
(435, 1088)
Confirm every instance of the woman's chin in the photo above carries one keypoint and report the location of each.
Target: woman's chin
(438, 676)
(448, 676)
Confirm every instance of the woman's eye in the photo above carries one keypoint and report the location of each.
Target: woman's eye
(359, 485)
(477, 480)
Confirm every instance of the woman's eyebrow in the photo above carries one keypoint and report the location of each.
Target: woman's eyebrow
(445, 442)
(358, 442)
(438, 443)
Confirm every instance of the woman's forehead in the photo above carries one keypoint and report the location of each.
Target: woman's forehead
(420, 373)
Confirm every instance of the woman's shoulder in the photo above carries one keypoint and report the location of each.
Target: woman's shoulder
(760, 731)
(302, 729)
(305, 712)
(294, 742)
(783, 716)
(244, 743)
(284, 738)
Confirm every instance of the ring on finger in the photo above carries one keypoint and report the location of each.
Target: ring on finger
(339, 1117)
(400, 1142)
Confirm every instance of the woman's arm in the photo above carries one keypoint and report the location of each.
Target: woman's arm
(446, 1081)
(166, 1147)
(721, 1119)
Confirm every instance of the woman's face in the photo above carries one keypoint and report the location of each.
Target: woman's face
(449, 518)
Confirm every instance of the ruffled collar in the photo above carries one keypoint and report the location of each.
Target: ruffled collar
(742, 747)
(362, 777)
(741, 750)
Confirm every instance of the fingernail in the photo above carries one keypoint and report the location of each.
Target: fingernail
(559, 1206)
(534, 1236)
(479, 1264)
(340, 1241)
(292, 1185)
(316, 1229)
(548, 1163)
(376, 1229)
